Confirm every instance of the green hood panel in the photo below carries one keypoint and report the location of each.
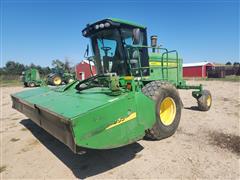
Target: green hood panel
(68, 104)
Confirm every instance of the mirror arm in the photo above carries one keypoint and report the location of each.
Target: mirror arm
(86, 52)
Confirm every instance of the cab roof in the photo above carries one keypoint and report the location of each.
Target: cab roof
(112, 22)
(126, 22)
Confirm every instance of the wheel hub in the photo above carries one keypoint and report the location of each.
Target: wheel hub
(167, 111)
(57, 81)
(209, 100)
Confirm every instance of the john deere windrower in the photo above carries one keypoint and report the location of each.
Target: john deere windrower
(133, 95)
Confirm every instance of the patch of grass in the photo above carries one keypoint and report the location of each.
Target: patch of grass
(10, 80)
(3, 168)
(227, 78)
(7, 83)
(226, 141)
(231, 78)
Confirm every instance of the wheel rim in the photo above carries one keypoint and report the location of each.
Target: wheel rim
(57, 80)
(209, 100)
(167, 111)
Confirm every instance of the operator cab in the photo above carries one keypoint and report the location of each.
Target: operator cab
(111, 41)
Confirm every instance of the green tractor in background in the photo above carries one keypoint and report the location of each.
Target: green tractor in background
(31, 78)
(61, 73)
(58, 77)
(133, 95)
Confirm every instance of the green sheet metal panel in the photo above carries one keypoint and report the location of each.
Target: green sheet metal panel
(170, 72)
(69, 103)
(118, 123)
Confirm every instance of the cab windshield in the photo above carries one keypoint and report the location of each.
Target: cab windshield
(109, 48)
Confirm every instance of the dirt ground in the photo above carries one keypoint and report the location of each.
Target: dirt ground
(206, 145)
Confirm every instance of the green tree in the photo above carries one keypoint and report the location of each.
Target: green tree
(62, 66)
(67, 66)
(228, 63)
(236, 63)
(58, 64)
(46, 70)
(14, 68)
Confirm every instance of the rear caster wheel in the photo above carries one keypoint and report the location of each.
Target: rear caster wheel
(205, 101)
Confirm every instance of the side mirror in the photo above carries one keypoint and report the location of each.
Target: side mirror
(86, 52)
(136, 36)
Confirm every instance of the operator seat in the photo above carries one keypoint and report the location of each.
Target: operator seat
(106, 60)
(134, 61)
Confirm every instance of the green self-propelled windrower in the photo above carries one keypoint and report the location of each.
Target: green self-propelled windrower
(133, 95)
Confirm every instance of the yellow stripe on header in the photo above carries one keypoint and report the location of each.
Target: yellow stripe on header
(132, 116)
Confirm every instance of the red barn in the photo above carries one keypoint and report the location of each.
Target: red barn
(196, 69)
(83, 70)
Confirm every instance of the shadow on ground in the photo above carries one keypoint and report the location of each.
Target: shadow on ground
(194, 108)
(86, 165)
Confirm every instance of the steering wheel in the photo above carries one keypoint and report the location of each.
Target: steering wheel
(106, 49)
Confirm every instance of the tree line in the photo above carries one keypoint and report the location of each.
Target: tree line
(13, 68)
(234, 64)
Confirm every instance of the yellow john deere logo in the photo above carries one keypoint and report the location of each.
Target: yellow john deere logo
(130, 117)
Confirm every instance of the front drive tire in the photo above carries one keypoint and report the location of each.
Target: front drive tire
(167, 109)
